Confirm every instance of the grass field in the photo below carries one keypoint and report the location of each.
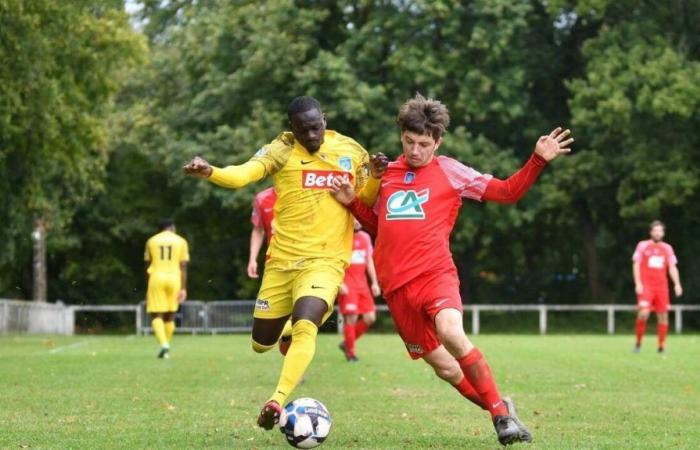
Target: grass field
(573, 391)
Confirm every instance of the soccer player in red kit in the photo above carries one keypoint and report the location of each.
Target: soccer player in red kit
(356, 299)
(415, 210)
(652, 259)
(262, 220)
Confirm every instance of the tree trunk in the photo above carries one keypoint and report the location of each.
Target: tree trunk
(39, 261)
(590, 253)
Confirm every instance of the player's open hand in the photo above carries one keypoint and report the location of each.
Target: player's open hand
(198, 167)
(378, 164)
(182, 296)
(376, 290)
(343, 190)
(554, 144)
(253, 269)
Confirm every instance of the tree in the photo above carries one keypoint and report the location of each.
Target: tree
(62, 63)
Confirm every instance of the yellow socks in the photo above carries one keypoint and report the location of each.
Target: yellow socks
(159, 331)
(300, 354)
(287, 330)
(169, 330)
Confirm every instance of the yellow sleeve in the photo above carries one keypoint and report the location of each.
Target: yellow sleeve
(184, 252)
(234, 177)
(275, 155)
(368, 195)
(266, 161)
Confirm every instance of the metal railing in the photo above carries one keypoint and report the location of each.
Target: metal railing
(237, 316)
(232, 316)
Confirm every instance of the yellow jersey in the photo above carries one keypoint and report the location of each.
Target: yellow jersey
(309, 222)
(165, 251)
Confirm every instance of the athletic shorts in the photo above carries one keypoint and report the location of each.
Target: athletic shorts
(415, 305)
(284, 282)
(655, 298)
(357, 301)
(163, 289)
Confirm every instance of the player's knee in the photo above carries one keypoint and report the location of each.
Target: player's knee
(447, 373)
(260, 348)
(369, 319)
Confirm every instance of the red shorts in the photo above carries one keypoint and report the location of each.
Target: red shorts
(357, 301)
(655, 298)
(415, 305)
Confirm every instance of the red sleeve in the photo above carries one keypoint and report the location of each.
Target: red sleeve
(364, 215)
(256, 217)
(514, 188)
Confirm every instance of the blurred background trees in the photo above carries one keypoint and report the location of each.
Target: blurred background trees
(99, 110)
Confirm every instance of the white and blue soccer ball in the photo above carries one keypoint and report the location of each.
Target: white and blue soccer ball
(305, 423)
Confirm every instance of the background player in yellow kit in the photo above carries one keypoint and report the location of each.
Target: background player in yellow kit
(313, 235)
(166, 259)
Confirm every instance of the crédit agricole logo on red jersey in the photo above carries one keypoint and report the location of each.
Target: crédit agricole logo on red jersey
(321, 179)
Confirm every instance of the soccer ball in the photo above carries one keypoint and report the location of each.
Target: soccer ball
(305, 423)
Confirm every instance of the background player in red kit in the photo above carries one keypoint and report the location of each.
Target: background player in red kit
(262, 220)
(652, 259)
(413, 216)
(356, 300)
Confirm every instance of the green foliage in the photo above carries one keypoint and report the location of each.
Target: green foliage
(624, 75)
(62, 62)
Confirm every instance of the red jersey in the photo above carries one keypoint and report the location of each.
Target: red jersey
(416, 210)
(263, 214)
(356, 273)
(654, 258)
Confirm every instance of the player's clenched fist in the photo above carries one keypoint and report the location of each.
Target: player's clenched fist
(554, 144)
(378, 164)
(198, 167)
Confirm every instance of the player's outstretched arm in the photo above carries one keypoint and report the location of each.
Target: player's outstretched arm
(230, 177)
(512, 189)
(344, 192)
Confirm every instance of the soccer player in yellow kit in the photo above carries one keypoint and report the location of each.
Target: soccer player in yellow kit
(312, 243)
(166, 259)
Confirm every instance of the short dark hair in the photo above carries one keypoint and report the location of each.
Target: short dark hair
(166, 223)
(657, 223)
(424, 116)
(302, 104)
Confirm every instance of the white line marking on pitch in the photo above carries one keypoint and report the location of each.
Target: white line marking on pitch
(68, 347)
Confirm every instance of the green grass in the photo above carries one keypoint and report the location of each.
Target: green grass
(573, 392)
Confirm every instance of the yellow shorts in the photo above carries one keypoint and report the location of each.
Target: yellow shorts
(285, 282)
(162, 292)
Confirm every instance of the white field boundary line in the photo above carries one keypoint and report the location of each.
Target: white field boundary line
(63, 348)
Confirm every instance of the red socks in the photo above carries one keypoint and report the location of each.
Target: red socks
(641, 328)
(360, 328)
(662, 329)
(477, 371)
(350, 338)
(468, 392)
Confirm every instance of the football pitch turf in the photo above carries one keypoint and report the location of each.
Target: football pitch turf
(90, 392)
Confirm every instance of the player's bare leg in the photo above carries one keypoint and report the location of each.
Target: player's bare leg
(662, 330)
(447, 368)
(307, 316)
(350, 335)
(640, 328)
(449, 327)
